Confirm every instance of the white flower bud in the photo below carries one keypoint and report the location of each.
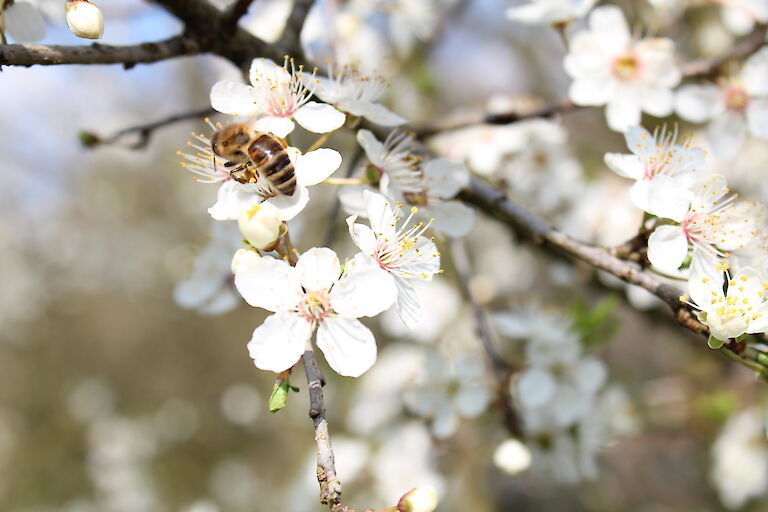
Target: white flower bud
(260, 225)
(420, 499)
(512, 457)
(243, 257)
(84, 19)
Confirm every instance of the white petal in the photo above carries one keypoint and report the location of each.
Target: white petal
(365, 289)
(264, 72)
(318, 268)
(757, 117)
(280, 126)
(445, 423)
(628, 166)
(638, 193)
(351, 198)
(372, 147)
(319, 117)
(755, 72)
(231, 199)
(534, 13)
(452, 218)
(279, 342)
(290, 206)
(316, 166)
(705, 282)
(348, 346)
(362, 235)
(408, 306)
(609, 25)
(445, 178)
(591, 92)
(667, 247)
(658, 101)
(697, 103)
(24, 23)
(472, 399)
(233, 98)
(268, 283)
(536, 387)
(667, 198)
(590, 374)
(380, 213)
(381, 115)
(726, 134)
(622, 111)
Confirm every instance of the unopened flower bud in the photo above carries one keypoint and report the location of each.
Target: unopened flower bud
(243, 257)
(84, 19)
(260, 225)
(420, 499)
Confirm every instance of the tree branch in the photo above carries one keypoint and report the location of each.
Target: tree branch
(330, 487)
(495, 203)
(501, 369)
(706, 67)
(291, 37)
(97, 53)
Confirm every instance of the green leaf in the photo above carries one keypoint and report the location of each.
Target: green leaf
(596, 325)
(714, 343)
(279, 395)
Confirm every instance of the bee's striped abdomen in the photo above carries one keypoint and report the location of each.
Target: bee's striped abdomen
(268, 153)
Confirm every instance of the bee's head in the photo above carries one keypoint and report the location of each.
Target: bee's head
(231, 142)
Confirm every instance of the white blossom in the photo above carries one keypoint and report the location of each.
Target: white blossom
(260, 225)
(611, 68)
(654, 156)
(512, 457)
(312, 295)
(403, 251)
(733, 107)
(739, 470)
(740, 309)
(84, 19)
(353, 91)
(275, 98)
(451, 390)
(549, 12)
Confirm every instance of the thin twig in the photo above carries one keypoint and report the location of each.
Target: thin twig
(706, 67)
(330, 487)
(495, 203)
(293, 26)
(502, 370)
(144, 131)
(237, 11)
(97, 53)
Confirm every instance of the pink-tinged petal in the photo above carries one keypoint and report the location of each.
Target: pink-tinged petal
(628, 166)
(268, 283)
(698, 103)
(379, 114)
(319, 117)
(381, 213)
(264, 73)
(623, 111)
(407, 305)
(233, 98)
(445, 178)
(362, 235)
(667, 248)
(757, 117)
(365, 289)
(279, 342)
(667, 198)
(754, 73)
(23, 22)
(608, 24)
(280, 126)
(452, 218)
(726, 134)
(374, 149)
(348, 346)
(705, 282)
(316, 166)
(290, 206)
(318, 269)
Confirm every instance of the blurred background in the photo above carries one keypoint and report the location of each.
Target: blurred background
(125, 385)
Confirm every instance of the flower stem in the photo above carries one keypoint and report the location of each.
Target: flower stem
(319, 142)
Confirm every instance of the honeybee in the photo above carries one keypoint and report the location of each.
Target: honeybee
(253, 155)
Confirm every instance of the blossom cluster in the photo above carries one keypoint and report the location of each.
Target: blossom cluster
(401, 192)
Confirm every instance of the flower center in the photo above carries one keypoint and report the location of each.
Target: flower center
(315, 306)
(736, 98)
(626, 67)
(402, 250)
(281, 96)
